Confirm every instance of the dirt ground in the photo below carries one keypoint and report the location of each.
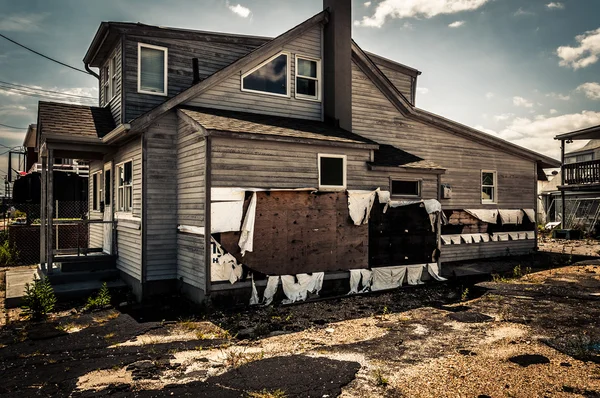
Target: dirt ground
(533, 336)
(582, 247)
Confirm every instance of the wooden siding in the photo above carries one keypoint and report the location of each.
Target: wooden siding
(211, 58)
(474, 251)
(228, 94)
(191, 194)
(161, 198)
(115, 102)
(96, 230)
(373, 116)
(402, 81)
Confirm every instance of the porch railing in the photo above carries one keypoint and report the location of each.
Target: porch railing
(582, 172)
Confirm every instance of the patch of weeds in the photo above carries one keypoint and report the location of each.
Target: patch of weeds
(187, 324)
(465, 294)
(264, 393)
(39, 299)
(109, 336)
(517, 272)
(102, 300)
(235, 359)
(380, 379)
(288, 318)
(496, 278)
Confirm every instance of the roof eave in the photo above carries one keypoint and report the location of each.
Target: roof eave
(588, 133)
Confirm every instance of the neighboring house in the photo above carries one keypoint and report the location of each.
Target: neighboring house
(208, 137)
(577, 188)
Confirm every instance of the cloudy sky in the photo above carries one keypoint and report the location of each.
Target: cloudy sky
(521, 70)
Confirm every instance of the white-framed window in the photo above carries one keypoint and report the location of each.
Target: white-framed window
(106, 84)
(152, 69)
(112, 71)
(96, 190)
(406, 188)
(125, 186)
(489, 186)
(271, 77)
(332, 172)
(308, 78)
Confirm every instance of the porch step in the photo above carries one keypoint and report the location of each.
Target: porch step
(91, 262)
(60, 277)
(84, 288)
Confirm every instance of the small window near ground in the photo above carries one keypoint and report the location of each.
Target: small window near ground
(308, 75)
(152, 69)
(271, 77)
(488, 186)
(125, 186)
(406, 188)
(332, 172)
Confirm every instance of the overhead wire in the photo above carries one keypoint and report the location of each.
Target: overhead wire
(13, 127)
(22, 86)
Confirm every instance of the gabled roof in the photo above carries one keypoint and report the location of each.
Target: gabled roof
(583, 134)
(75, 121)
(390, 156)
(215, 120)
(590, 146)
(30, 137)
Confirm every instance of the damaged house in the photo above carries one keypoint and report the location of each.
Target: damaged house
(224, 162)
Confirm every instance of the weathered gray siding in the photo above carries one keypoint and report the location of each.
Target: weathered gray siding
(115, 102)
(191, 195)
(473, 251)
(96, 237)
(228, 94)
(402, 81)
(161, 198)
(373, 116)
(212, 57)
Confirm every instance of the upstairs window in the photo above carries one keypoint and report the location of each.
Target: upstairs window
(332, 172)
(406, 188)
(488, 186)
(308, 78)
(152, 69)
(270, 77)
(105, 85)
(125, 186)
(112, 70)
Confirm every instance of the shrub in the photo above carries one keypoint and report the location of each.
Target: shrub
(8, 253)
(39, 299)
(100, 301)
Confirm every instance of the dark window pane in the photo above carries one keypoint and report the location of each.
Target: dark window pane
(107, 188)
(306, 87)
(128, 174)
(95, 191)
(332, 171)
(487, 178)
(487, 193)
(307, 68)
(405, 188)
(270, 78)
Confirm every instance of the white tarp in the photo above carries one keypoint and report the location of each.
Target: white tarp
(384, 197)
(254, 298)
(467, 238)
(227, 194)
(270, 290)
(489, 216)
(388, 277)
(224, 266)
(513, 235)
(500, 236)
(511, 216)
(226, 216)
(356, 275)
(434, 271)
(360, 204)
(296, 288)
(413, 274)
(485, 237)
(530, 234)
(530, 213)
(446, 239)
(247, 236)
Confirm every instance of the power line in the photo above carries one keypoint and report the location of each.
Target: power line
(46, 91)
(37, 95)
(13, 127)
(45, 56)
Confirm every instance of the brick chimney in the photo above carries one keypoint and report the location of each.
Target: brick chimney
(337, 59)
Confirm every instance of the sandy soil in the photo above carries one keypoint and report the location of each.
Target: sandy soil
(583, 247)
(535, 336)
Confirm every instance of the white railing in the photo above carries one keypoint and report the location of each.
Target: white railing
(82, 170)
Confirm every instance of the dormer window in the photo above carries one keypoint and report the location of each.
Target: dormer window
(152, 69)
(270, 77)
(308, 78)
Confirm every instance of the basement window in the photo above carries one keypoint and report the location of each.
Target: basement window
(488, 186)
(406, 188)
(270, 77)
(125, 186)
(152, 69)
(308, 78)
(332, 172)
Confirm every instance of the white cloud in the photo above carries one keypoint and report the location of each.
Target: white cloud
(520, 101)
(489, 95)
(555, 5)
(408, 26)
(240, 10)
(553, 111)
(21, 22)
(503, 117)
(591, 90)
(521, 13)
(422, 90)
(538, 134)
(456, 24)
(584, 54)
(417, 8)
(559, 96)
(367, 3)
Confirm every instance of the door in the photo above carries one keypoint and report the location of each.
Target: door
(108, 213)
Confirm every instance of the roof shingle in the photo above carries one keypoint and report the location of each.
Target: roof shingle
(74, 120)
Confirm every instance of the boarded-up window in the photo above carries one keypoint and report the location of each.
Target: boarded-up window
(332, 171)
(488, 186)
(271, 77)
(406, 188)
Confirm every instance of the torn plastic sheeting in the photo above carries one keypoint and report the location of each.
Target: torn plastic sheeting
(511, 216)
(247, 236)
(270, 290)
(513, 235)
(191, 229)
(226, 216)
(387, 278)
(224, 266)
(358, 275)
(467, 238)
(434, 271)
(446, 239)
(501, 236)
(530, 213)
(218, 194)
(522, 235)
(360, 204)
(493, 238)
(384, 197)
(298, 291)
(485, 237)
(489, 216)
(530, 234)
(413, 274)
(452, 239)
(254, 297)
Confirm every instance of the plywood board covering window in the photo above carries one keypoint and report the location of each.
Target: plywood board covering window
(271, 77)
(410, 188)
(125, 186)
(489, 188)
(332, 172)
(152, 69)
(308, 78)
